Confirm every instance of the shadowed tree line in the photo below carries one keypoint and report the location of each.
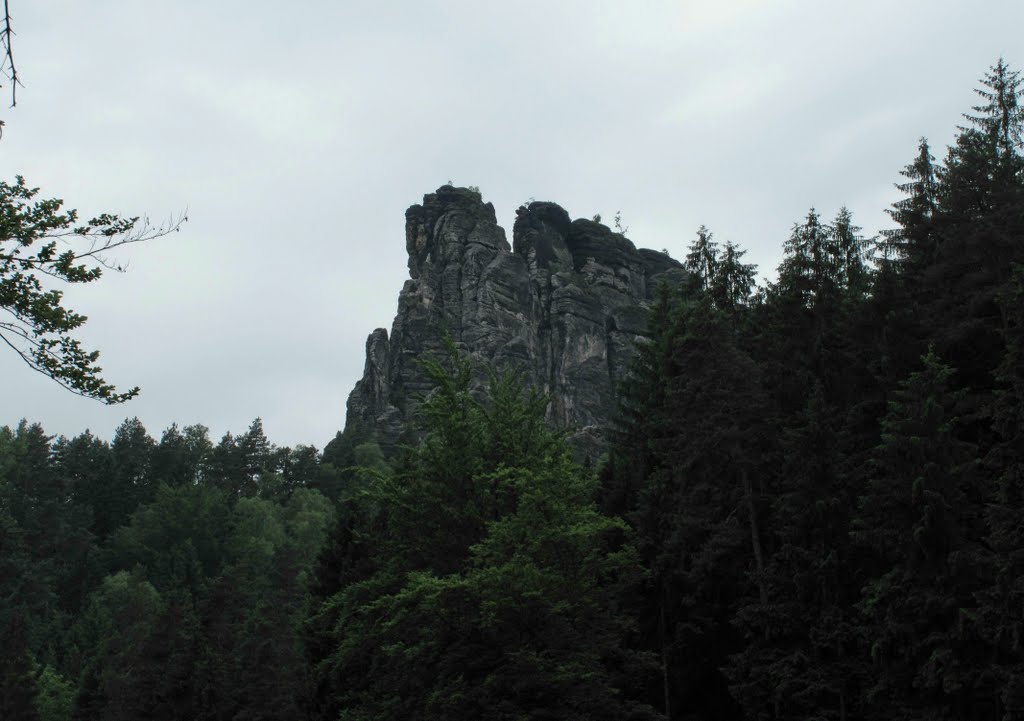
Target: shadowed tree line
(823, 475)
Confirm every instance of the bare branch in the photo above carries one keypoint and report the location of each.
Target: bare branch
(102, 243)
(7, 65)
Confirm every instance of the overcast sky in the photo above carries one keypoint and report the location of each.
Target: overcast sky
(296, 135)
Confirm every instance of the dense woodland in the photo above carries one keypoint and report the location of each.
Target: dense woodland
(812, 507)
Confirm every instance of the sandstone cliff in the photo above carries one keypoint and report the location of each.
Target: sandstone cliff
(565, 305)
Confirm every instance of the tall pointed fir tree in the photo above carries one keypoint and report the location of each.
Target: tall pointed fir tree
(702, 260)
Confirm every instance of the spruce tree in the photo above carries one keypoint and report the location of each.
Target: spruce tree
(1002, 601)
(919, 516)
(912, 246)
(702, 260)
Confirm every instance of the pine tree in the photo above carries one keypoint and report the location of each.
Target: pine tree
(912, 246)
(800, 657)
(979, 219)
(702, 260)
(132, 485)
(851, 250)
(1002, 601)
(1001, 117)
(256, 453)
(642, 405)
(698, 510)
(732, 282)
(180, 458)
(920, 515)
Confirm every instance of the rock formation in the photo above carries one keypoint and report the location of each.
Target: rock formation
(564, 305)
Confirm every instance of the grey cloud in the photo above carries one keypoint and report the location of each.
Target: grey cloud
(297, 137)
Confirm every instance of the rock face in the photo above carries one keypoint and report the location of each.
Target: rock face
(564, 305)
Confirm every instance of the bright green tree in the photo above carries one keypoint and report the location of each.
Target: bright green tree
(491, 588)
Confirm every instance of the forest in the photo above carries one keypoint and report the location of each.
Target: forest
(811, 507)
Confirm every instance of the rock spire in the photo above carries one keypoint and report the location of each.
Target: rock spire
(565, 305)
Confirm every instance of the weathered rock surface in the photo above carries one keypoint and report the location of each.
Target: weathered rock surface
(564, 305)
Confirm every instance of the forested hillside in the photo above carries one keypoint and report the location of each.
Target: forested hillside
(813, 508)
(823, 476)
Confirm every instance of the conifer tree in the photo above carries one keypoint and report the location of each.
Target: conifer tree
(702, 260)
(912, 246)
(1001, 116)
(1002, 601)
(732, 282)
(642, 407)
(800, 656)
(172, 462)
(919, 516)
(698, 511)
(132, 450)
(851, 250)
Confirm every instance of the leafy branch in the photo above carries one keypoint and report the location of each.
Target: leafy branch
(37, 239)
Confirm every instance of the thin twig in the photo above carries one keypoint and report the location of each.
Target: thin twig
(8, 62)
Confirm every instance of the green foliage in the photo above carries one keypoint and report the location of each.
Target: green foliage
(720, 273)
(702, 260)
(807, 490)
(181, 457)
(201, 600)
(489, 589)
(619, 227)
(56, 699)
(37, 239)
(178, 538)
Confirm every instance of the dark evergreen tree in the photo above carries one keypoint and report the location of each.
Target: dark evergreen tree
(111, 634)
(130, 484)
(695, 502)
(732, 282)
(642, 408)
(1002, 600)
(18, 689)
(1001, 116)
(801, 653)
(181, 457)
(255, 453)
(238, 466)
(920, 516)
(913, 245)
(702, 260)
